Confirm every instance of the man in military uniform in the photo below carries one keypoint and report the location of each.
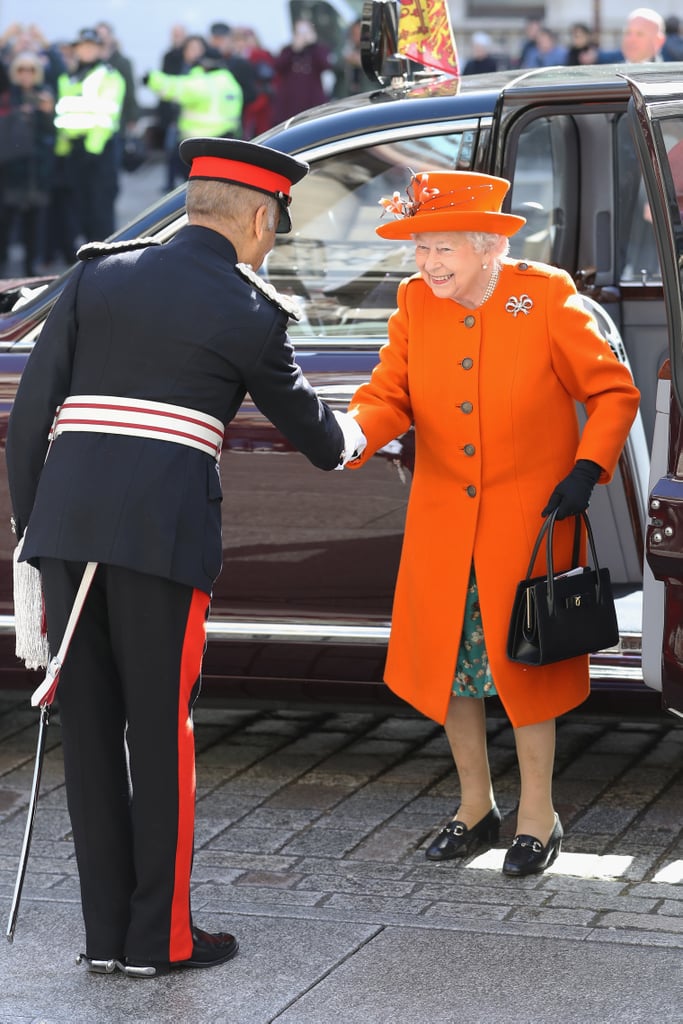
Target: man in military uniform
(87, 121)
(147, 354)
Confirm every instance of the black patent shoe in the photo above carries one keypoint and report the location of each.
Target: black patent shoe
(528, 855)
(457, 840)
(208, 950)
(97, 966)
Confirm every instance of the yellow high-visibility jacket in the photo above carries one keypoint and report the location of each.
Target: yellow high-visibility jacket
(210, 101)
(89, 108)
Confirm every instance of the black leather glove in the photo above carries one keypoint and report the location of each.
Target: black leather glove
(573, 494)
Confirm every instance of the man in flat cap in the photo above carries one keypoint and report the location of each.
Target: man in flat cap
(147, 355)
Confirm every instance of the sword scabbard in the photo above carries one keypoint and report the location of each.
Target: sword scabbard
(30, 818)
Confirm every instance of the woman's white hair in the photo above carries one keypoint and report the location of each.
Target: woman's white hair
(483, 242)
(27, 57)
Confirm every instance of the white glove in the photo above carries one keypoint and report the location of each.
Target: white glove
(354, 438)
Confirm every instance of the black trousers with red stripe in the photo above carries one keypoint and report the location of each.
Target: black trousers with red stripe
(125, 696)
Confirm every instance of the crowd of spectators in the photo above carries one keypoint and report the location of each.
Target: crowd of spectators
(63, 145)
(60, 143)
(646, 36)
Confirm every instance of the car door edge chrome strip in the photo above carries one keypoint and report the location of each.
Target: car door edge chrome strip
(314, 633)
(297, 632)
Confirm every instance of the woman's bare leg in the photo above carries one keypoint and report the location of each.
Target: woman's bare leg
(536, 758)
(466, 732)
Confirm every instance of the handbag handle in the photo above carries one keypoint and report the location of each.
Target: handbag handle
(547, 532)
(547, 527)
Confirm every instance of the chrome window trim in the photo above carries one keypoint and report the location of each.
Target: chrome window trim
(409, 131)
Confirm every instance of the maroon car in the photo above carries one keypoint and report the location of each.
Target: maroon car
(302, 607)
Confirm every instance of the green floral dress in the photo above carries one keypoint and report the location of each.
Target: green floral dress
(472, 672)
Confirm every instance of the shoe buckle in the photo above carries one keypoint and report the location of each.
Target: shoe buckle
(534, 845)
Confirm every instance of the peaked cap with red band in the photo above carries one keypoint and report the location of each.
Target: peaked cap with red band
(246, 164)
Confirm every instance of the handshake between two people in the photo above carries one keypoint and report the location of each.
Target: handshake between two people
(354, 438)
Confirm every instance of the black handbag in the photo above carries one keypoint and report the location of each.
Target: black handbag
(562, 615)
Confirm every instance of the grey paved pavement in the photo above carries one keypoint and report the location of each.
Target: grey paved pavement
(311, 826)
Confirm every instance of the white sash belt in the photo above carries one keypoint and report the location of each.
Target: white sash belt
(134, 417)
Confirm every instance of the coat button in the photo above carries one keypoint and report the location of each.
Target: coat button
(469, 449)
(466, 407)
(523, 266)
(472, 491)
(469, 321)
(467, 363)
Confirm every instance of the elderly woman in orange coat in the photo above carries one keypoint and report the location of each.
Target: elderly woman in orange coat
(487, 357)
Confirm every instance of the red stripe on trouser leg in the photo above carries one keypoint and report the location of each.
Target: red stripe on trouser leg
(180, 946)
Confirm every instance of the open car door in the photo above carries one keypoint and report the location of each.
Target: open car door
(656, 111)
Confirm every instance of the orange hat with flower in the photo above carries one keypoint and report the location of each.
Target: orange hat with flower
(450, 201)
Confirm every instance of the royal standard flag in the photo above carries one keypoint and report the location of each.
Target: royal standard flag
(425, 35)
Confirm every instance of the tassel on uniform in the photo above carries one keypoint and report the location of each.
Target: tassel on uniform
(29, 619)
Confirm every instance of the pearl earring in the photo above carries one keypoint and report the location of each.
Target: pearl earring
(484, 266)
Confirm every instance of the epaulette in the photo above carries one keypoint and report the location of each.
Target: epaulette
(93, 249)
(288, 305)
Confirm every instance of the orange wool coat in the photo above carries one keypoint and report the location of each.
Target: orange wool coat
(491, 393)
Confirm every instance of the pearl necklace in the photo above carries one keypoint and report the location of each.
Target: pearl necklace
(493, 281)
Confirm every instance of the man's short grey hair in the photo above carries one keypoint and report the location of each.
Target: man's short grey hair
(221, 200)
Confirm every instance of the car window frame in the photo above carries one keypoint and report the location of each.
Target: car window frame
(647, 113)
(480, 125)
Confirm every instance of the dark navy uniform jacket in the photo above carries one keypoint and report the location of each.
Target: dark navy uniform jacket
(170, 323)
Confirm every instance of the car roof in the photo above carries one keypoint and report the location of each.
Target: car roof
(432, 98)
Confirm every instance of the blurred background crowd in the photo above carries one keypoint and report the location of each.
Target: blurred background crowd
(72, 123)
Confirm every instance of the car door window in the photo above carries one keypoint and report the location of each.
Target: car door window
(671, 129)
(544, 191)
(637, 257)
(343, 276)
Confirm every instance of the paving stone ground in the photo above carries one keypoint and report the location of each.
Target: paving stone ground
(311, 827)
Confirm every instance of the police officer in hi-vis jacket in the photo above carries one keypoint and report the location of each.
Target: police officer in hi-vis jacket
(87, 122)
(147, 355)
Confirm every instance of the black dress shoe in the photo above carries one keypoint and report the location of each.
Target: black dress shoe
(457, 840)
(208, 950)
(528, 855)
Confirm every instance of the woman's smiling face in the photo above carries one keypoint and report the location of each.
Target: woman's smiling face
(450, 266)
